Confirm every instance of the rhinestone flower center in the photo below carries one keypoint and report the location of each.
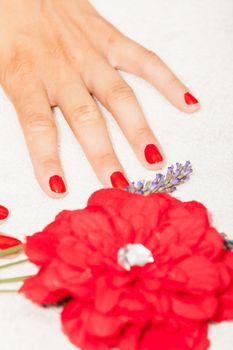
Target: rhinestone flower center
(134, 255)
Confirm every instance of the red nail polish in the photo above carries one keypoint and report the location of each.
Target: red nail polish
(57, 184)
(8, 242)
(152, 154)
(3, 212)
(118, 180)
(190, 99)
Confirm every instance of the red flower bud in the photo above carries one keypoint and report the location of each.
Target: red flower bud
(8, 242)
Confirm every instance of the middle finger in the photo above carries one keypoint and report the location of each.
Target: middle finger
(87, 123)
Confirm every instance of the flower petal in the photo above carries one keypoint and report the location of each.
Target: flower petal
(106, 298)
(161, 338)
(195, 308)
(109, 198)
(202, 274)
(36, 291)
(191, 217)
(103, 325)
(211, 245)
(129, 338)
(225, 307)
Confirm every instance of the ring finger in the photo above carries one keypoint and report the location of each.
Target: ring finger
(114, 93)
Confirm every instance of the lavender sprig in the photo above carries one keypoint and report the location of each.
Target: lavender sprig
(175, 176)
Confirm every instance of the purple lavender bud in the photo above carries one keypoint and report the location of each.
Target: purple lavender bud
(175, 181)
(140, 184)
(161, 183)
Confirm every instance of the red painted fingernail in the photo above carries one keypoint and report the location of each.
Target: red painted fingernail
(118, 180)
(8, 242)
(152, 154)
(3, 212)
(190, 99)
(57, 184)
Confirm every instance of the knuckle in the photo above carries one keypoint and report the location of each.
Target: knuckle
(18, 68)
(99, 23)
(151, 57)
(173, 80)
(49, 161)
(105, 158)
(140, 134)
(85, 114)
(37, 122)
(119, 91)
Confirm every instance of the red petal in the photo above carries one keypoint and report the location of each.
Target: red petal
(93, 227)
(201, 274)
(75, 323)
(225, 308)
(190, 224)
(168, 236)
(72, 252)
(72, 324)
(109, 198)
(160, 338)
(225, 276)
(160, 302)
(103, 325)
(195, 308)
(106, 297)
(132, 304)
(129, 339)
(36, 291)
(228, 259)
(41, 248)
(119, 280)
(151, 283)
(143, 213)
(176, 280)
(212, 244)
(8, 242)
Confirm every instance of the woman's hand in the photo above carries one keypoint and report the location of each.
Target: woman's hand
(63, 53)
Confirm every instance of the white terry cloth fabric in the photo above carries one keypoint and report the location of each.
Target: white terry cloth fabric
(195, 38)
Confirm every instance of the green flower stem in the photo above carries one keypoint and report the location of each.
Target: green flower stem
(14, 279)
(12, 250)
(13, 263)
(8, 291)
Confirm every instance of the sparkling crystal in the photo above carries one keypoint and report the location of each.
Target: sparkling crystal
(134, 255)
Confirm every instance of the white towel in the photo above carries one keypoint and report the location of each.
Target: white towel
(195, 38)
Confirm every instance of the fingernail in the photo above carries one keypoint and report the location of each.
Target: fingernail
(190, 99)
(4, 212)
(118, 180)
(57, 184)
(152, 154)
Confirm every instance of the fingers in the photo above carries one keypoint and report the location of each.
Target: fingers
(129, 56)
(87, 123)
(40, 132)
(113, 92)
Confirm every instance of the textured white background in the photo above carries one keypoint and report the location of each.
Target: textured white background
(195, 38)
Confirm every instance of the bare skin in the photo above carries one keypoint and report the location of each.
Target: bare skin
(63, 53)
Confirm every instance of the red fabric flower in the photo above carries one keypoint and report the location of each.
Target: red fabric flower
(165, 305)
